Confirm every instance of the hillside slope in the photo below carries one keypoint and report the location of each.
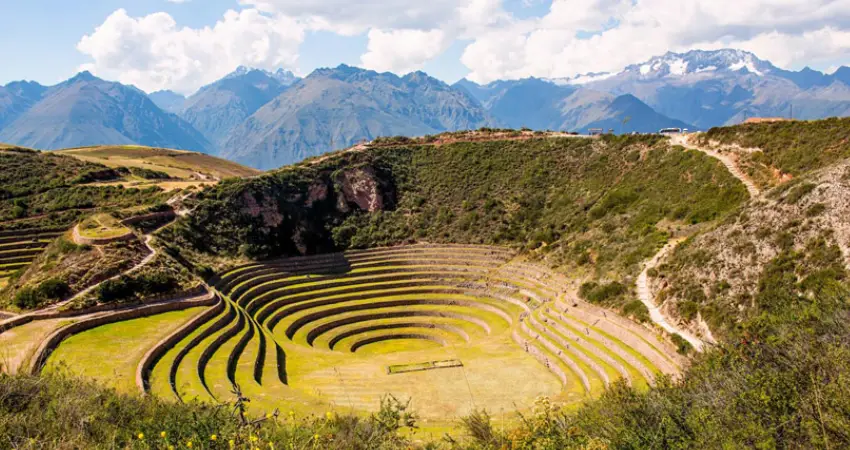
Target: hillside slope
(176, 163)
(772, 153)
(599, 207)
(800, 227)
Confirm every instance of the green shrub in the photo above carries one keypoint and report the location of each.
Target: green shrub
(48, 291)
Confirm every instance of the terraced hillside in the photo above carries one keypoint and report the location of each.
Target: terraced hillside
(341, 330)
(18, 248)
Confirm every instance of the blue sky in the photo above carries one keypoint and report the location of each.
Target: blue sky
(183, 44)
(50, 55)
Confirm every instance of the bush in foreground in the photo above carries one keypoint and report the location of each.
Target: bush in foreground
(60, 412)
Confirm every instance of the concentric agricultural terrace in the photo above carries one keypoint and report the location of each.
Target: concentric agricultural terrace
(18, 248)
(452, 327)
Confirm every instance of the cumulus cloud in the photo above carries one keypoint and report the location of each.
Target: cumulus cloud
(402, 51)
(574, 36)
(153, 53)
(578, 36)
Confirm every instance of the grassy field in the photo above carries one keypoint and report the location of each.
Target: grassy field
(179, 164)
(102, 226)
(18, 344)
(110, 353)
(338, 334)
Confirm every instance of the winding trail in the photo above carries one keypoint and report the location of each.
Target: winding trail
(730, 164)
(648, 298)
(644, 291)
(145, 261)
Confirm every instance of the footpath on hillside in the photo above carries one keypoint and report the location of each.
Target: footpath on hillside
(730, 164)
(644, 291)
(648, 298)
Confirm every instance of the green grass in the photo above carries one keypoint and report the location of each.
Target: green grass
(794, 147)
(639, 380)
(110, 353)
(102, 226)
(594, 204)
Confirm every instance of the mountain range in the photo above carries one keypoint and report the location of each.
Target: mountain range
(268, 119)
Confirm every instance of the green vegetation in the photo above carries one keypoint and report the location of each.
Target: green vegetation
(780, 383)
(59, 412)
(77, 265)
(102, 226)
(47, 291)
(93, 354)
(149, 174)
(590, 205)
(792, 147)
(28, 173)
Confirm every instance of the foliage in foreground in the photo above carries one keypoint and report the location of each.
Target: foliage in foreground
(54, 411)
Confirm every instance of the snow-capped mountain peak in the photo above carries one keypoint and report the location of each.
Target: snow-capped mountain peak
(581, 78)
(285, 77)
(700, 61)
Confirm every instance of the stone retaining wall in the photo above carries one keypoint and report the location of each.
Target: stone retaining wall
(81, 240)
(155, 353)
(216, 326)
(30, 232)
(24, 319)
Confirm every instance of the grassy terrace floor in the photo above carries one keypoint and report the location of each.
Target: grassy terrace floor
(316, 333)
(110, 353)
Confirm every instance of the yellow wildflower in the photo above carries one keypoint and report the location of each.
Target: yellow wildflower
(316, 437)
(329, 415)
(213, 437)
(162, 435)
(189, 444)
(141, 435)
(254, 439)
(232, 443)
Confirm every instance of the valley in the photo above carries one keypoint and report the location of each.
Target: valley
(511, 279)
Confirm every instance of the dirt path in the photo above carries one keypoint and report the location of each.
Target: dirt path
(730, 164)
(648, 298)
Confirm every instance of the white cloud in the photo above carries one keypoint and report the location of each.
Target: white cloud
(786, 31)
(575, 36)
(402, 51)
(349, 17)
(178, 1)
(153, 53)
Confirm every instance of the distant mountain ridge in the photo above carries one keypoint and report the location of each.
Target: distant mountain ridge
(270, 118)
(336, 108)
(86, 110)
(543, 105)
(725, 87)
(216, 109)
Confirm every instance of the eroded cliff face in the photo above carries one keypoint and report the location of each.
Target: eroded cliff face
(286, 213)
(359, 186)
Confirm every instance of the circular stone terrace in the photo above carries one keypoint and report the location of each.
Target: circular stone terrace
(452, 327)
